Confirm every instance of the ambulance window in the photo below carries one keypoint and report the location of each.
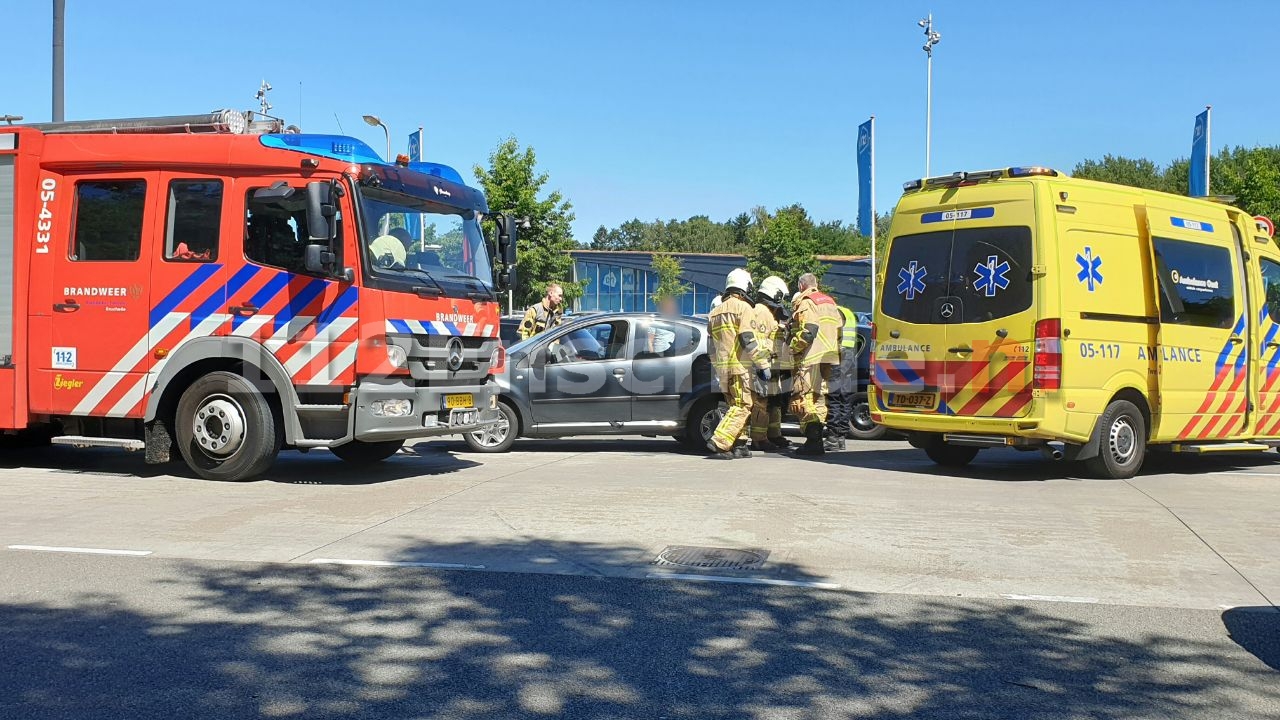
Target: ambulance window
(916, 276)
(1196, 283)
(1271, 285)
(108, 221)
(991, 272)
(193, 219)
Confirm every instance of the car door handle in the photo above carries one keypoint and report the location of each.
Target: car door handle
(619, 372)
(244, 310)
(1273, 344)
(960, 350)
(1235, 340)
(66, 307)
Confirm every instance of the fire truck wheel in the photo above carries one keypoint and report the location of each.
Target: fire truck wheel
(1122, 442)
(225, 428)
(357, 452)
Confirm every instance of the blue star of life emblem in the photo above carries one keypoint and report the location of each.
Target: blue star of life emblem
(1089, 272)
(912, 280)
(992, 276)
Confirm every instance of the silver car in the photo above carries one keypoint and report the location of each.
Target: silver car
(608, 374)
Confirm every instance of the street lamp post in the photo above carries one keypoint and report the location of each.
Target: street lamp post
(931, 39)
(374, 121)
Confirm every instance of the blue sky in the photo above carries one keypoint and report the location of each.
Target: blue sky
(670, 109)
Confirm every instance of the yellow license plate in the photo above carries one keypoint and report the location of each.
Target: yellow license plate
(926, 401)
(461, 400)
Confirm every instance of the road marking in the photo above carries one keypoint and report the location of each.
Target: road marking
(1051, 598)
(1250, 474)
(390, 563)
(86, 551)
(744, 580)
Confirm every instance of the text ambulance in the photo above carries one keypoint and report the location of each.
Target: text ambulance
(212, 285)
(1026, 309)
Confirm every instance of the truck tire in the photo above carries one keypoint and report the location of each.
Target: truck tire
(701, 423)
(951, 455)
(225, 428)
(358, 452)
(1122, 442)
(498, 438)
(862, 427)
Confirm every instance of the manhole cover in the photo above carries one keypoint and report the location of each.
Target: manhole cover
(711, 558)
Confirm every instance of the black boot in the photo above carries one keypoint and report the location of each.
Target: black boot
(718, 454)
(741, 450)
(813, 441)
(781, 442)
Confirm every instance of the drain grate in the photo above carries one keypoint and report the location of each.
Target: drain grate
(711, 558)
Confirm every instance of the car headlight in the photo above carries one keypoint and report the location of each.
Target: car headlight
(397, 356)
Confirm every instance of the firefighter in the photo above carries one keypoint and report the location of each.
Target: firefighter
(736, 357)
(766, 410)
(843, 384)
(815, 345)
(544, 315)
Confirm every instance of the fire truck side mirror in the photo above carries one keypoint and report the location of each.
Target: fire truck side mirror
(322, 213)
(320, 259)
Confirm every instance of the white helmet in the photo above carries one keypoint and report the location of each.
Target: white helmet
(774, 288)
(739, 279)
(716, 300)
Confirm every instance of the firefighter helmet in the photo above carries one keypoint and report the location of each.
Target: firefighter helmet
(774, 288)
(740, 280)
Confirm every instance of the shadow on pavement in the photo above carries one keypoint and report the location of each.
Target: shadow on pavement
(1256, 629)
(240, 640)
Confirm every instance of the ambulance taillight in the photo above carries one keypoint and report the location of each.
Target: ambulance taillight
(1047, 363)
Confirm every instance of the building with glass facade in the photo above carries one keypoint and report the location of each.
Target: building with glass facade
(625, 280)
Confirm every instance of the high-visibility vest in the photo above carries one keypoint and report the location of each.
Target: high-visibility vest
(815, 337)
(850, 337)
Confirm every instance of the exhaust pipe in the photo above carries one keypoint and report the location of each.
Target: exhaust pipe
(1053, 451)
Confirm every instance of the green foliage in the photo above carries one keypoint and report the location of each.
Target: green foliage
(784, 246)
(1251, 175)
(513, 185)
(668, 268)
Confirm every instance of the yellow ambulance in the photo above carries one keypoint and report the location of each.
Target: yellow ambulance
(1023, 308)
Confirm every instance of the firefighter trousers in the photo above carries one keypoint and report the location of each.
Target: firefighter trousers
(808, 401)
(734, 422)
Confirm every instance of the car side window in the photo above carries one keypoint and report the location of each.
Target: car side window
(657, 338)
(1196, 282)
(590, 343)
(1271, 286)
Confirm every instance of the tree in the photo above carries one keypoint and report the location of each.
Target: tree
(512, 185)
(784, 247)
(669, 268)
(1139, 172)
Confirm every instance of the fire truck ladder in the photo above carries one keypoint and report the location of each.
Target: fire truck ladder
(233, 122)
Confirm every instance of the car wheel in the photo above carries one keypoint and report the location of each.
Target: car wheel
(225, 428)
(701, 423)
(1123, 442)
(862, 427)
(496, 438)
(357, 452)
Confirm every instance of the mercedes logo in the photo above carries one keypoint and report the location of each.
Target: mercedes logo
(453, 349)
(948, 310)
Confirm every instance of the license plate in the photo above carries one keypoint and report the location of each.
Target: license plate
(459, 418)
(461, 400)
(926, 401)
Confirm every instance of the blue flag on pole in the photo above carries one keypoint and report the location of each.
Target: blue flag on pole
(1199, 186)
(413, 223)
(866, 170)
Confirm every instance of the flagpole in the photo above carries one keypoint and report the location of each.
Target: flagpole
(873, 213)
(1208, 148)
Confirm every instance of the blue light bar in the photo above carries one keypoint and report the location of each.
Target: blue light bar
(436, 169)
(1029, 171)
(336, 147)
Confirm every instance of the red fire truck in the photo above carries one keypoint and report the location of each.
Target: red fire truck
(213, 286)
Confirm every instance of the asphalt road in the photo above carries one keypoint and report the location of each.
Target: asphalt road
(876, 587)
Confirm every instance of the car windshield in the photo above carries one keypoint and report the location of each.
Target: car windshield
(405, 238)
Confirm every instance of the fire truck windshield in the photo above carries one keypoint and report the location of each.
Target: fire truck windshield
(419, 243)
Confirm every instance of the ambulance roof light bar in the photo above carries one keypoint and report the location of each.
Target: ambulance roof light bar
(234, 122)
(973, 176)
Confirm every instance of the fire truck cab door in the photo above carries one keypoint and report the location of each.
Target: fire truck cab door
(99, 300)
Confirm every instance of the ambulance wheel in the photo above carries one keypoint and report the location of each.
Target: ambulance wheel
(861, 426)
(225, 428)
(951, 455)
(1122, 442)
(358, 452)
